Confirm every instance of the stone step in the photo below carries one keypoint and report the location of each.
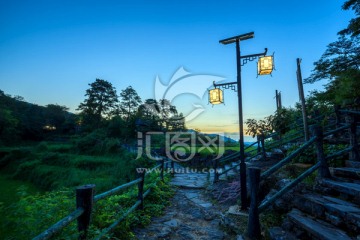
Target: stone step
(277, 233)
(347, 172)
(316, 228)
(234, 163)
(190, 180)
(223, 177)
(344, 188)
(336, 211)
(230, 172)
(352, 164)
(226, 167)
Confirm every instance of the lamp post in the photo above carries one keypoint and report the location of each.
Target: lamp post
(265, 66)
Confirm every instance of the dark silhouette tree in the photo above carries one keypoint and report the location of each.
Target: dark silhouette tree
(161, 115)
(101, 102)
(353, 28)
(340, 64)
(130, 101)
(339, 57)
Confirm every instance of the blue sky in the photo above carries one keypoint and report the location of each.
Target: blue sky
(51, 50)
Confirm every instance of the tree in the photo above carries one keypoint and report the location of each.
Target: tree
(340, 63)
(339, 57)
(8, 126)
(55, 115)
(149, 109)
(256, 127)
(166, 112)
(101, 102)
(353, 28)
(161, 115)
(130, 101)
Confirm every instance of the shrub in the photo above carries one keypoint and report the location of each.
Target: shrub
(55, 159)
(31, 215)
(111, 145)
(42, 147)
(91, 143)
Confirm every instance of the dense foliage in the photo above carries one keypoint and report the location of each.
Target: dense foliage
(34, 213)
(55, 150)
(339, 65)
(20, 120)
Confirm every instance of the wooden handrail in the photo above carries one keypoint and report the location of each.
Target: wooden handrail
(130, 210)
(48, 233)
(288, 187)
(350, 111)
(339, 153)
(80, 211)
(321, 166)
(336, 130)
(287, 159)
(115, 190)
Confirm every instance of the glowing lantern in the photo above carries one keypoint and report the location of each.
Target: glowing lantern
(265, 65)
(216, 96)
(49, 127)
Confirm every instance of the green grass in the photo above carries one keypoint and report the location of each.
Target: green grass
(207, 151)
(51, 166)
(11, 191)
(48, 168)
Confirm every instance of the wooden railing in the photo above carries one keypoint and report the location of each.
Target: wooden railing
(230, 158)
(85, 201)
(260, 150)
(256, 176)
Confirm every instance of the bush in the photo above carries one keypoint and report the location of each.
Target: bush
(42, 147)
(55, 159)
(308, 156)
(97, 143)
(31, 215)
(91, 143)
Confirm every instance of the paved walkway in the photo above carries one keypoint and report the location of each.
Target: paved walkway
(191, 214)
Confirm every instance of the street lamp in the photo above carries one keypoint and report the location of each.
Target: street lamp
(216, 96)
(264, 66)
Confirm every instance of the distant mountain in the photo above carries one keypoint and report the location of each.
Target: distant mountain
(224, 138)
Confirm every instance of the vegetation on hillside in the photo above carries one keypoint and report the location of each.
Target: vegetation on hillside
(55, 150)
(339, 65)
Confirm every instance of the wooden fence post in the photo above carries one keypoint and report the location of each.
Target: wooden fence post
(317, 132)
(258, 143)
(172, 167)
(162, 169)
(216, 174)
(141, 189)
(354, 153)
(253, 228)
(337, 115)
(263, 146)
(85, 200)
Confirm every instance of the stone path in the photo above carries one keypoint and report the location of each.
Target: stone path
(191, 214)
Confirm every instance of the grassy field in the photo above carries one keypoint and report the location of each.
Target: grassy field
(11, 188)
(206, 151)
(52, 169)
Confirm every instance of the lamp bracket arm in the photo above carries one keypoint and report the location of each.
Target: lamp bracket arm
(230, 85)
(255, 55)
(224, 84)
(251, 57)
